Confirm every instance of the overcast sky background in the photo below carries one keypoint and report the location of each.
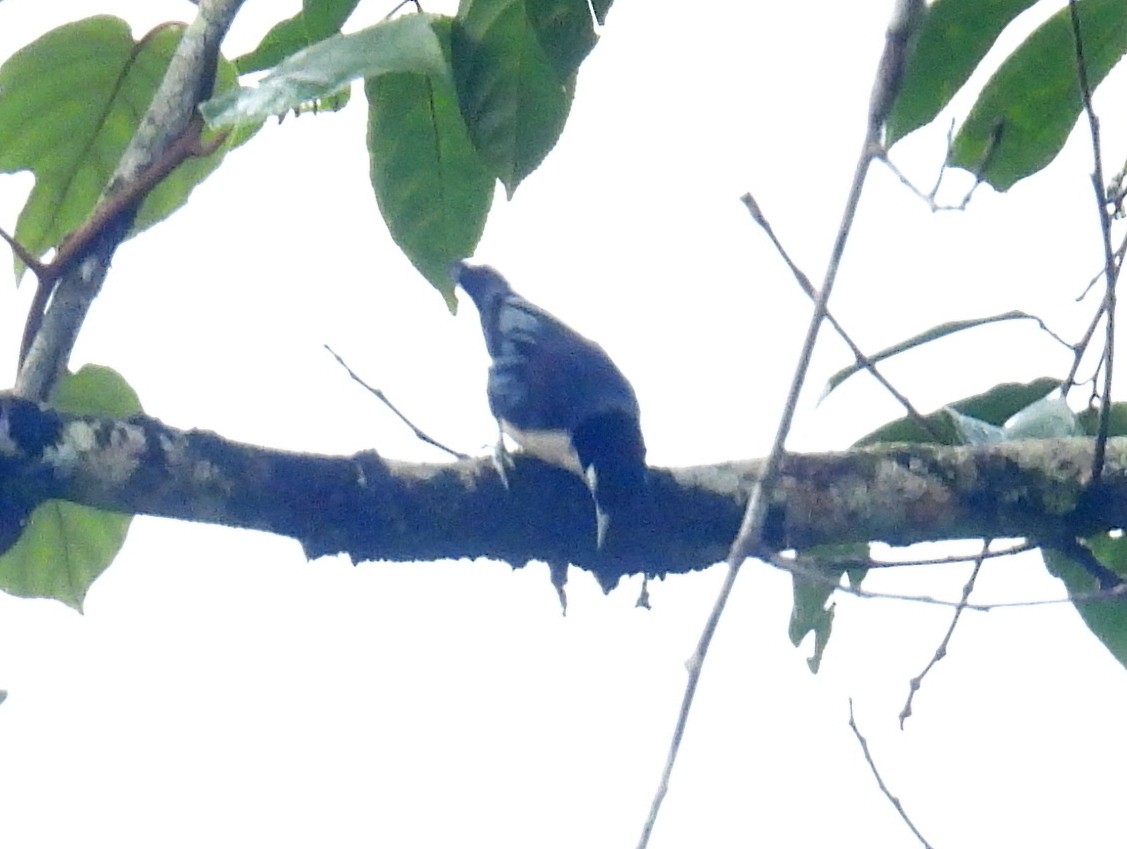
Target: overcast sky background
(222, 691)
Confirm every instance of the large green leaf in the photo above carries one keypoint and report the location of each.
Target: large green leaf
(1106, 618)
(432, 188)
(994, 406)
(953, 38)
(71, 102)
(511, 96)
(1027, 109)
(317, 20)
(404, 45)
(65, 546)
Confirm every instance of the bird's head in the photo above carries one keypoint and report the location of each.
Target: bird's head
(480, 282)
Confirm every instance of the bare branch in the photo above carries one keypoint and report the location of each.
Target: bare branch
(749, 538)
(378, 393)
(1017, 548)
(941, 651)
(398, 6)
(790, 564)
(880, 781)
(804, 283)
(1111, 267)
(38, 268)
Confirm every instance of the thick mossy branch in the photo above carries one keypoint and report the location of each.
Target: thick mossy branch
(376, 509)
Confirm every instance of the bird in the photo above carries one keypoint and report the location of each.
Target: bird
(559, 396)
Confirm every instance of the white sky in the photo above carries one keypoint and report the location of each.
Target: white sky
(221, 691)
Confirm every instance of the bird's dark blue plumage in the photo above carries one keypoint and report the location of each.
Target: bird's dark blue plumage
(559, 395)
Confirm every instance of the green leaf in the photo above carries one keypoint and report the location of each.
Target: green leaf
(71, 102)
(1106, 618)
(432, 188)
(317, 20)
(953, 38)
(72, 99)
(61, 552)
(511, 97)
(65, 546)
(937, 332)
(404, 45)
(565, 31)
(817, 573)
(994, 406)
(1089, 420)
(97, 391)
(1027, 109)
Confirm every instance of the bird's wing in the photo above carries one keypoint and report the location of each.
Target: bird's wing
(545, 376)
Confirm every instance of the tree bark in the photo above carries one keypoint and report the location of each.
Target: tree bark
(373, 508)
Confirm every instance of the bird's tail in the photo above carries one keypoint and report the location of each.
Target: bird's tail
(613, 456)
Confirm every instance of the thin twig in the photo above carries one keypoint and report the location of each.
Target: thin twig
(1091, 285)
(1111, 269)
(926, 197)
(880, 781)
(387, 402)
(1056, 337)
(941, 650)
(418, 8)
(789, 564)
(1017, 548)
(1081, 347)
(942, 165)
(819, 576)
(905, 17)
(859, 356)
(34, 265)
(930, 197)
(1119, 253)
